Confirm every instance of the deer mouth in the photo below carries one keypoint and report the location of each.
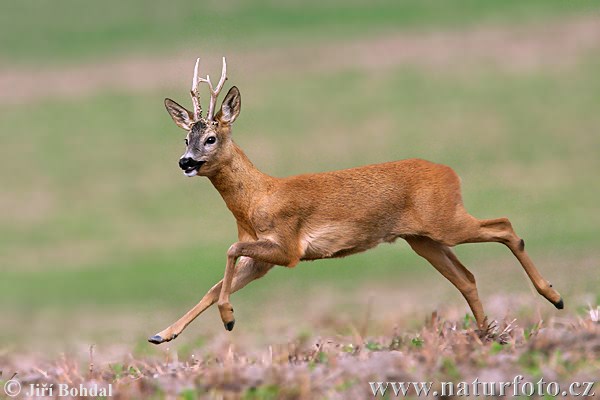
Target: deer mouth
(192, 170)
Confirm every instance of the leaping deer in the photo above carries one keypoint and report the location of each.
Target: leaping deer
(282, 221)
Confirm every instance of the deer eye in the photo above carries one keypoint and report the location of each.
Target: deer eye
(186, 141)
(210, 140)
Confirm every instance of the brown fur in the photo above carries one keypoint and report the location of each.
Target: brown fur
(282, 221)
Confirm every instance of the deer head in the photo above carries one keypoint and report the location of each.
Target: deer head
(208, 141)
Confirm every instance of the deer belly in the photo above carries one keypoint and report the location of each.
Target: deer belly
(334, 241)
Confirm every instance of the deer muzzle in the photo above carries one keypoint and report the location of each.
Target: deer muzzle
(190, 166)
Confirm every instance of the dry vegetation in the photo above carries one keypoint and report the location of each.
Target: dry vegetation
(339, 367)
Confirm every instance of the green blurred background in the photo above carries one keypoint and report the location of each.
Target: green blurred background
(102, 238)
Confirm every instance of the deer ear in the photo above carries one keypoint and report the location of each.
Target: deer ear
(182, 117)
(230, 109)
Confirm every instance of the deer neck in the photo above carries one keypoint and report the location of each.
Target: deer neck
(240, 184)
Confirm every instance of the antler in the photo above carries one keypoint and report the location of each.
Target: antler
(214, 92)
(195, 95)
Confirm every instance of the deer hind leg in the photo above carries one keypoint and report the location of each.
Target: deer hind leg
(500, 230)
(445, 261)
(247, 270)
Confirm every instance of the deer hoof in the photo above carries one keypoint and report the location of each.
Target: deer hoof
(559, 304)
(156, 339)
(226, 311)
(229, 325)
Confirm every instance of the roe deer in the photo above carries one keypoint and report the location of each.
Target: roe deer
(282, 221)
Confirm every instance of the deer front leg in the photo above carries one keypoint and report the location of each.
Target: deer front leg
(247, 271)
(262, 250)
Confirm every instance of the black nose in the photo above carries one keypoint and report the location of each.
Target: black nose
(185, 163)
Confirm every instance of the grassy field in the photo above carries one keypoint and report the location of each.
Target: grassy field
(79, 31)
(103, 241)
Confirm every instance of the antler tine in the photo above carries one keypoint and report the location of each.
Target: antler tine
(194, 93)
(223, 77)
(214, 93)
